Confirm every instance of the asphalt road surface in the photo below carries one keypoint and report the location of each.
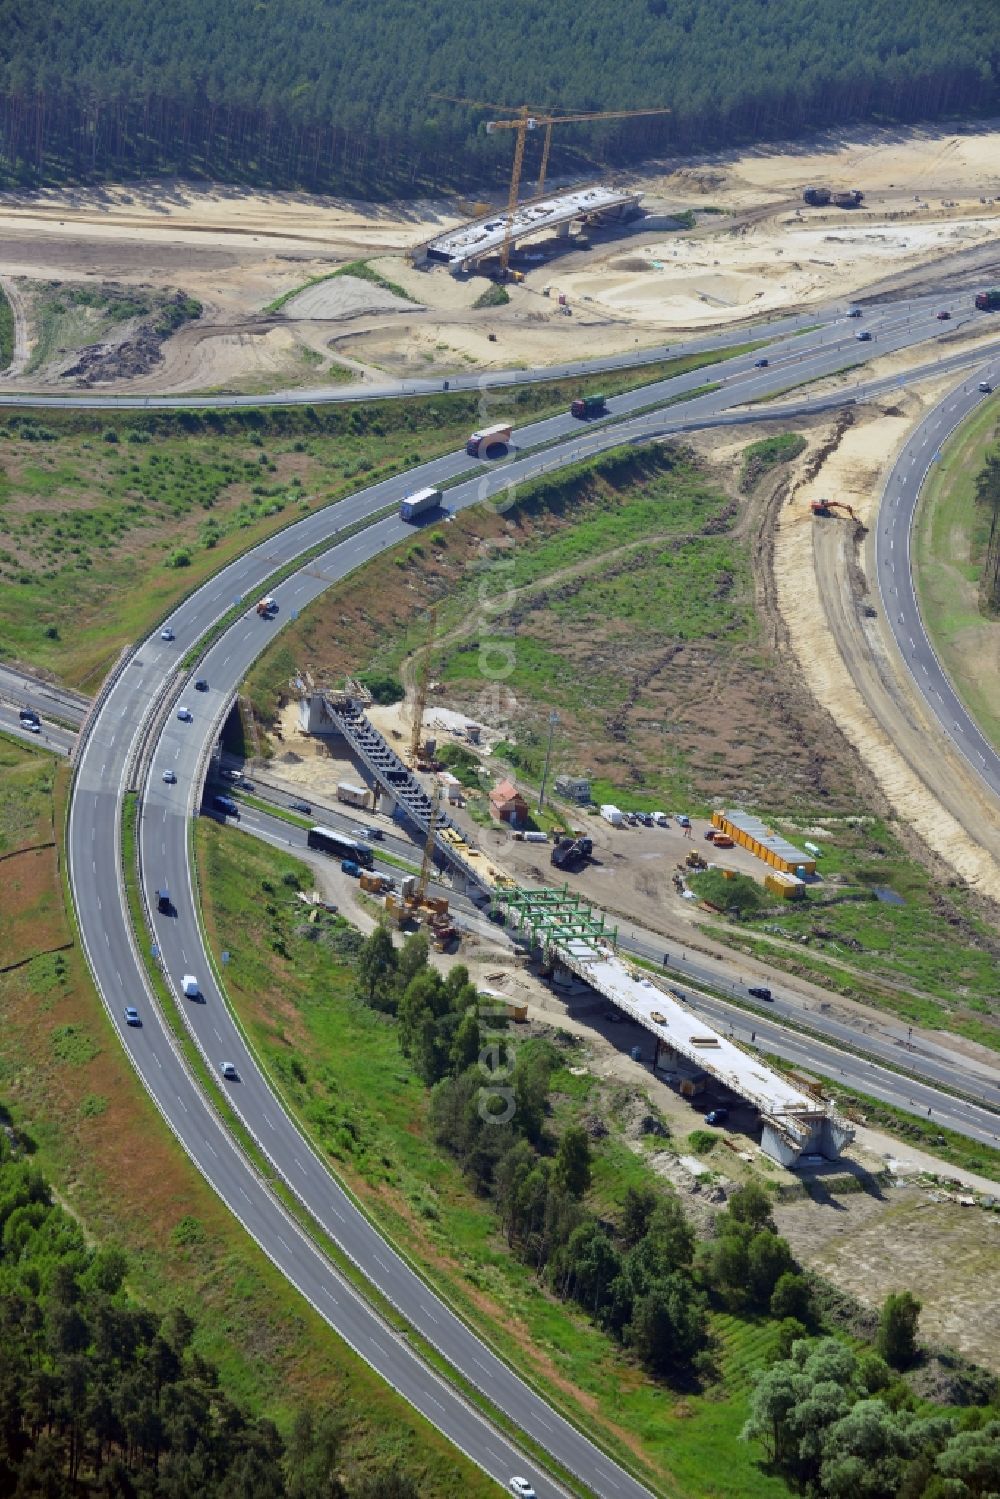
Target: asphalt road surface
(895, 576)
(130, 702)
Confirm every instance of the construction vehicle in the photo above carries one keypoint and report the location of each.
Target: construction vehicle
(524, 120)
(825, 509)
(818, 197)
(988, 301)
(267, 607)
(444, 933)
(480, 443)
(587, 406)
(570, 853)
(418, 503)
(694, 860)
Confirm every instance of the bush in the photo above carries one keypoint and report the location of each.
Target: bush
(179, 559)
(494, 296)
(384, 688)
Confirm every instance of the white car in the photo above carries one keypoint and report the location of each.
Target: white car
(184, 714)
(166, 633)
(228, 1069)
(522, 1488)
(169, 777)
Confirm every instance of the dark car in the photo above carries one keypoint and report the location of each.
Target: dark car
(201, 685)
(301, 807)
(864, 337)
(760, 364)
(28, 715)
(943, 315)
(717, 1116)
(854, 312)
(760, 992)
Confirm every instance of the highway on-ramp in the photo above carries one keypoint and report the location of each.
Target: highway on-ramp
(895, 575)
(127, 711)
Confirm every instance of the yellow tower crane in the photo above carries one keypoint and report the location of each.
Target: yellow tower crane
(422, 682)
(524, 120)
(427, 862)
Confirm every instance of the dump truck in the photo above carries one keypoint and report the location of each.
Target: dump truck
(267, 607)
(414, 505)
(816, 197)
(588, 406)
(353, 795)
(480, 443)
(988, 301)
(850, 199)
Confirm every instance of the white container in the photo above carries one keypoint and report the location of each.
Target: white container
(612, 814)
(536, 837)
(190, 986)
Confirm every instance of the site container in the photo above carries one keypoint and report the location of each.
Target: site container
(752, 833)
(354, 796)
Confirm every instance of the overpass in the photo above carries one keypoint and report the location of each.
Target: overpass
(463, 248)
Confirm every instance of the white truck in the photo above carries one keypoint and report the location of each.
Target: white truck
(418, 503)
(497, 436)
(612, 814)
(189, 984)
(354, 796)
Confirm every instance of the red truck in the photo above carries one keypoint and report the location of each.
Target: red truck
(988, 301)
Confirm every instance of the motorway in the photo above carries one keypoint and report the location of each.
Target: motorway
(895, 576)
(130, 701)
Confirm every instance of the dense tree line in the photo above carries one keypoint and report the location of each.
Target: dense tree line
(644, 1279)
(838, 1425)
(337, 93)
(101, 1396)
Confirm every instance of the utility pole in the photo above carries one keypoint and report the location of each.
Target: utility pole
(553, 720)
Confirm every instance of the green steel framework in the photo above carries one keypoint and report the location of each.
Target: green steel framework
(559, 915)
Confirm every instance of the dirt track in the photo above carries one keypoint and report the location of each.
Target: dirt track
(852, 669)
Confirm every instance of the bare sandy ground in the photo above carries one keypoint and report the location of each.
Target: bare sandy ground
(849, 662)
(927, 194)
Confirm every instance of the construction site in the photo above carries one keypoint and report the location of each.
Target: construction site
(570, 942)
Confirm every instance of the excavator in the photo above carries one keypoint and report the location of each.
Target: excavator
(826, 508)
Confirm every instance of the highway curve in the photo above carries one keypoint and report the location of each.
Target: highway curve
(895, 576)
(125, 714)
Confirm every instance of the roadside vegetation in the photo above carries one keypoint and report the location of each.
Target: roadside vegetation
(107, 520)
(762, 456)
(67, 317)
(85, 1125)
(6, 330)
(954, 568)
(551, 1231)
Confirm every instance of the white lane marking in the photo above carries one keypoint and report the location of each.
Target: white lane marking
(427, 1312)
(282, 1242)
(328, 1292)
(212, 1149)
(267, 1121)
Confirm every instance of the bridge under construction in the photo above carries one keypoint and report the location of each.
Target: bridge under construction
(566, 934)
(464, 247)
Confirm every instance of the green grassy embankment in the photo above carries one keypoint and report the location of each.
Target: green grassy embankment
(6, 330)
(950, 537)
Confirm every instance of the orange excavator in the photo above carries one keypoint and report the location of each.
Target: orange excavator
(827, 507)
